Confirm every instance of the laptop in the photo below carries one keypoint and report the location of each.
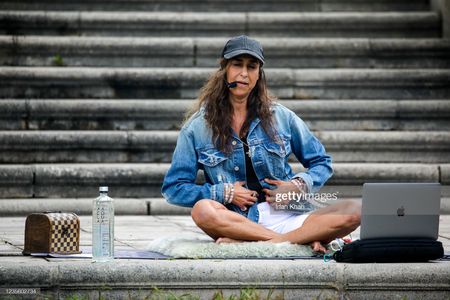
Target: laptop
(400, 210)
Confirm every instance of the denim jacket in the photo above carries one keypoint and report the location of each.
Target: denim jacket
(195, 151)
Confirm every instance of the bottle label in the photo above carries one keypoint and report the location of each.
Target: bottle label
(105, 237)
(102, 235)
(102, 214)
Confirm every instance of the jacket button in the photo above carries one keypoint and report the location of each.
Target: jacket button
(234, 143)
(236, 168)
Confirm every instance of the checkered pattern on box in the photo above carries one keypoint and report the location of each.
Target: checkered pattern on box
(64, 233)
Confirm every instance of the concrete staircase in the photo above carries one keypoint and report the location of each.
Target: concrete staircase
(94, 92)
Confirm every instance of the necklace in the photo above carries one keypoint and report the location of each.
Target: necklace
(248, 147)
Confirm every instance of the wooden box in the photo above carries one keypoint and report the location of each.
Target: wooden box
(52, 232)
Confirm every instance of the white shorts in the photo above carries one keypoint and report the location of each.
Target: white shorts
(279, 221)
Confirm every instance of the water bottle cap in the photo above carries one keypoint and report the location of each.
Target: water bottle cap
(103, 189)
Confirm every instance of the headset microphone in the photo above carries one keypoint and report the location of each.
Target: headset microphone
(232, 85)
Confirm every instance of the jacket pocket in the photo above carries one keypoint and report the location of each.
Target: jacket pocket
(213, 162)
(277, 155)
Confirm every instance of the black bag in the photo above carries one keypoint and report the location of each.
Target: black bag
(385, 250)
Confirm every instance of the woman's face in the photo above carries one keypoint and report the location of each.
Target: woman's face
(244, 70)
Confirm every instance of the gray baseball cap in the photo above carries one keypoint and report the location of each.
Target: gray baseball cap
(243, 45)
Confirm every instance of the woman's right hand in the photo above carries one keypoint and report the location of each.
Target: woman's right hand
(243, 197)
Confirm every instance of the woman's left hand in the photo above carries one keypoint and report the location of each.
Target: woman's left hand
(282, 187)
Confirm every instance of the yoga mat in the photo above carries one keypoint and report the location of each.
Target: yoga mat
(199, 248)
(142, 254)
(118, 254)
(202, 247)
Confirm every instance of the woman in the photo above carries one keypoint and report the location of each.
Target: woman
(241, 139)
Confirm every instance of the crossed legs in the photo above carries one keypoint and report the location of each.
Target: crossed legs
(217, 222)
(323, 225)
(326, 224)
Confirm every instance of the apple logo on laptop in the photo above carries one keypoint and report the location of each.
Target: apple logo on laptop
(401, 211)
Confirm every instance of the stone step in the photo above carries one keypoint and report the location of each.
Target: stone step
(39, 51)
(257, 24)
(378, 147)
(20, 147)
(71, 82)
(83, 206)
(289, 279)
(122, 206)
(144, 180)
(229, 5)
(167, 114)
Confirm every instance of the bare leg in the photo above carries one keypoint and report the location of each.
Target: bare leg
(326, 224)
(219, 222)
(225, 240)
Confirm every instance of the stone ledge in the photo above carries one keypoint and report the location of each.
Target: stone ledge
(445, 173)
(184, 83)
(80, 206)
(230, 5)
(83, 206)
(346, 173)
(52, 140)
(293, 278)
(144, 180)
(168, 114)
(330, 24)
(204, 52)
(122, 206)
(16, 175)
(157, 146)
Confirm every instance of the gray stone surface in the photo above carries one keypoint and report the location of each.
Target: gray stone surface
(291, 278)
(80, 206)
(143, 180)
(231, 5)
(13, 115)
(443, 7)
(313, 24)
(445, 173)
(94, 51)
(360, 173)
(330, 70)
(204, 52)
(159, 206)
(16, 180)
(125, 206)
(184, 83)
(376, 146)
(289, 24)
(83, 206)
(86, 146)
(373, 84)
(82, 180)
(91, 146)
(168, 114)
(101, 114)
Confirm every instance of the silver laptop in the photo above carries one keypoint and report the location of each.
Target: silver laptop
(400, 210)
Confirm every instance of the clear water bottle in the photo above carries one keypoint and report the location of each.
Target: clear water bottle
(103, 227)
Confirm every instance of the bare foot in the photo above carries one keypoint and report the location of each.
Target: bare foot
(223, 240)
(315, 246)
(318, 247)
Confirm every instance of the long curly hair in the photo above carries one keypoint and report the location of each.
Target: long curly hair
(214, 97)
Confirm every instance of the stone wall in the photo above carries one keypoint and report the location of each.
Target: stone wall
(444, 7)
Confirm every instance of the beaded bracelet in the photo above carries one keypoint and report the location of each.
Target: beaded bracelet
(300, 184)
(229, 193)
(226, 193)
(232, 193)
